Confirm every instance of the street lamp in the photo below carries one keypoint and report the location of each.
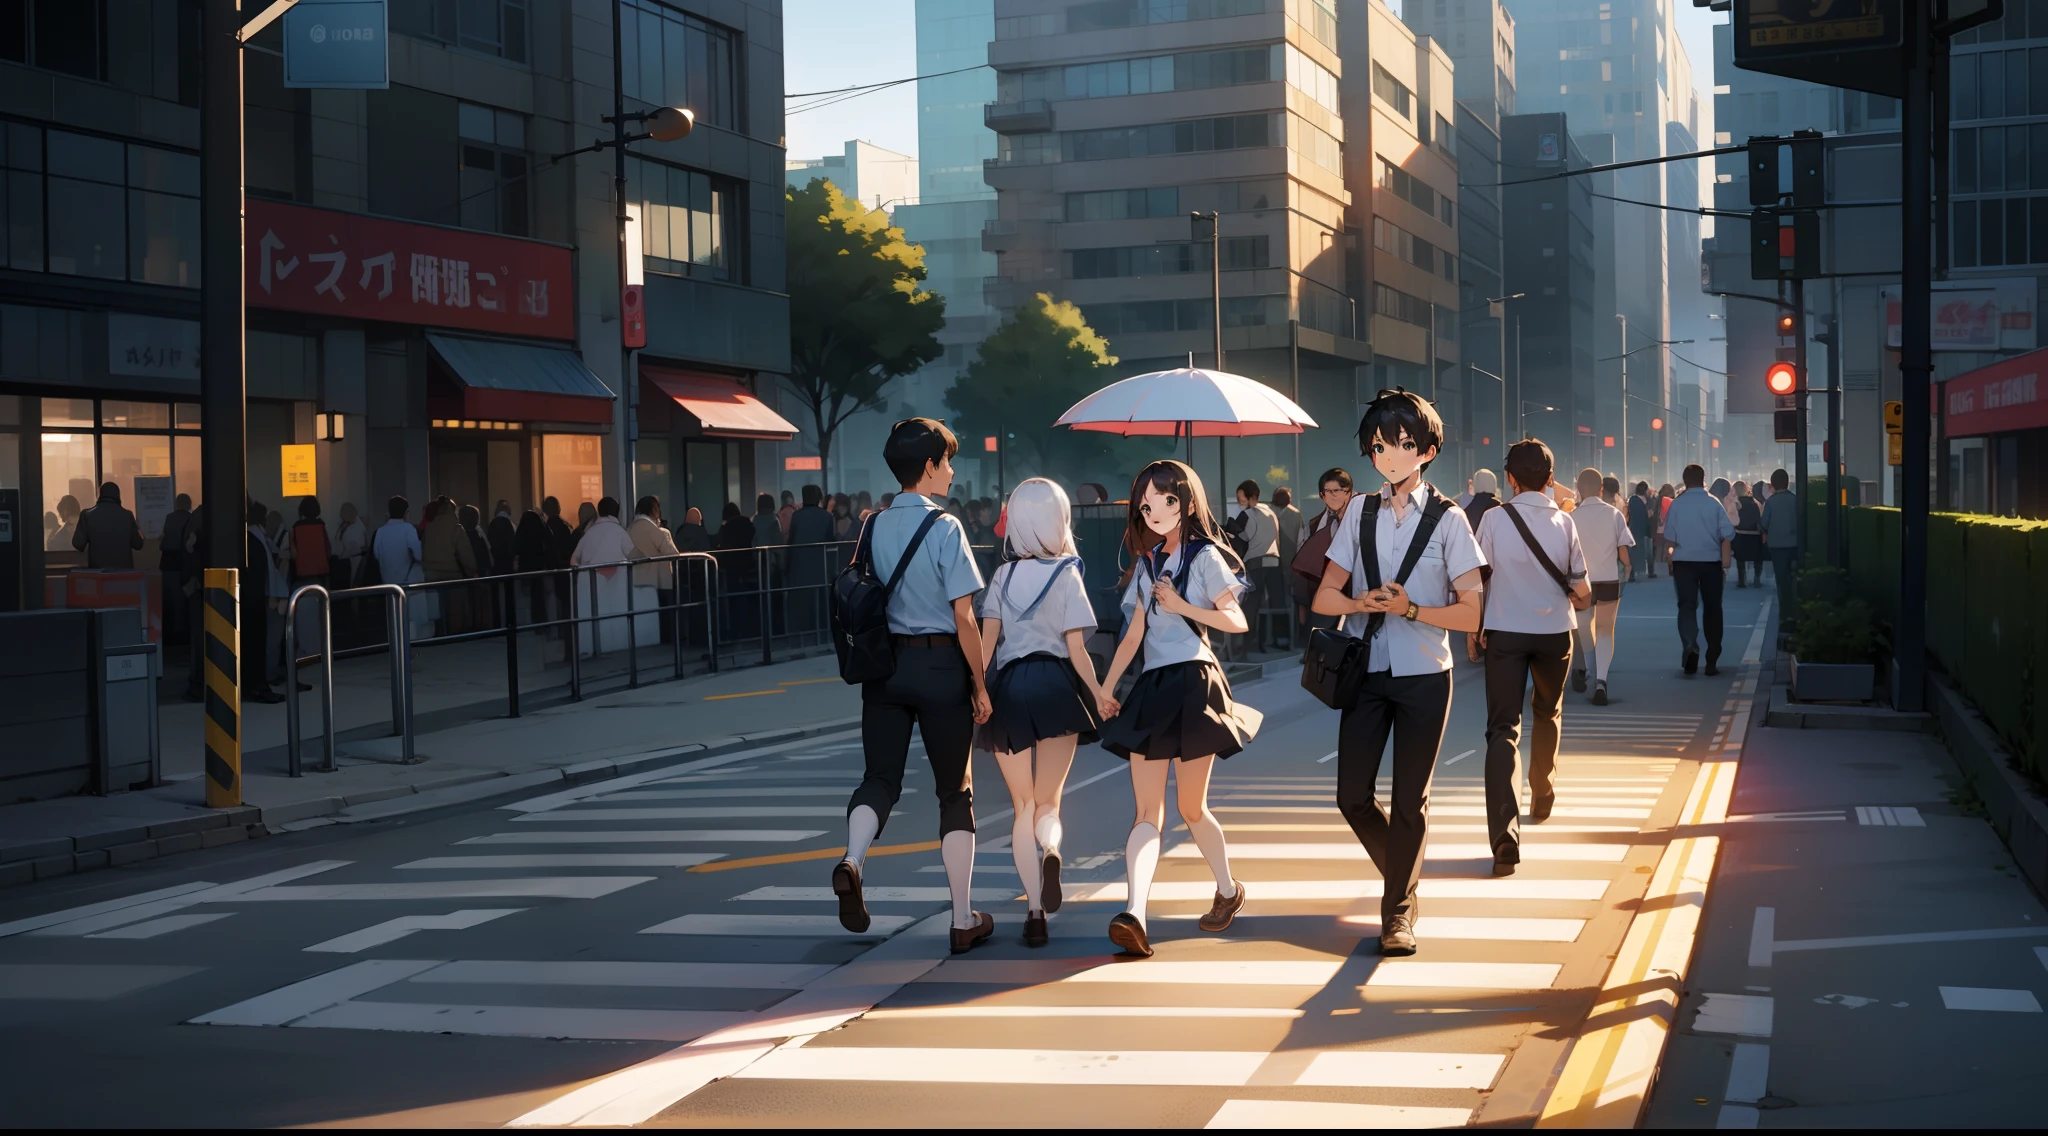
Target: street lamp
(1496, 308)
(1625, 353)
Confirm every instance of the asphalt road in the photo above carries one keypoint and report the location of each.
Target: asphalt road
(661, 949)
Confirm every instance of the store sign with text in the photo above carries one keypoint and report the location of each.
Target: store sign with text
(1974, 315)
(1998, 399)
(345, 264)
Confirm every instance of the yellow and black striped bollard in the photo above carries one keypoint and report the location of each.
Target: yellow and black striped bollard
(221, 613)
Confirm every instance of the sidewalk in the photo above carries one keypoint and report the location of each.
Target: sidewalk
(1870, 956)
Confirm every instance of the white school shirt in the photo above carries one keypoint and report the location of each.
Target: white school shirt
(1603, 530)
(1402, 646)
(943, 571)
(1170, 638)
(1521, 595)
(1014, 586)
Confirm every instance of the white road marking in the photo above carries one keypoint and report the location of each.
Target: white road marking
(1031, 972)
(1064, 1067)
(984, 1010)
(1908, 938)
(1393, 1069)
(1253, 850)
(1465, 975)
(1461, 757)
(1330, 756)
(1270, 1114)
(760, 791)
(1984, 998)
(1762, 931)
(1749, 1073)
(525, 1021)
(164, 926)
(1745, 1015)
(1490, 928)
(290, 1003)
(1901, 816)
(213, 893)
(556, 887)
(392, 930)
(2041, 953)
(744, 975)
(1264, 890)
(569, 860)
(875, 894)
(1531, 834)
(1436, 810)
(654, 836)
(612, 785)
(69, 914)
(704, 812)
(1776, 818)
(780, 926)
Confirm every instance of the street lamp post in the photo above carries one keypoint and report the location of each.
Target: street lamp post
(1497, 308)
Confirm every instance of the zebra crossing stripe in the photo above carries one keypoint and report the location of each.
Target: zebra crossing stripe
(223, 689)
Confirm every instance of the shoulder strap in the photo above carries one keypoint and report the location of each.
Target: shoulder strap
(1542, 557)
(1431, 514)
(1368, 541)
(1058, 567)
(930, 518)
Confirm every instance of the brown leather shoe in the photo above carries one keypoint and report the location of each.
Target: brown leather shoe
(1223, 911)
(1505, 858)
(1035, 934)
(1049, 888)
(1126, 932)
(853, 909)
(972, 937)
(1398, 939)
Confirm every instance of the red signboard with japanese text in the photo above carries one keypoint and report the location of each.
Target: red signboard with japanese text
(2008, 395)
(346, 264)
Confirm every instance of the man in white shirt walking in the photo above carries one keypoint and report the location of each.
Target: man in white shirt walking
(1261, 560)
(1539, 571)
(1605, 537)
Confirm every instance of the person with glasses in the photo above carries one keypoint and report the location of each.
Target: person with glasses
(1335, 491)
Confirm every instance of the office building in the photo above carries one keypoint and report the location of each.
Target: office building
(418, 270)
(876, 177)
(1553, 261)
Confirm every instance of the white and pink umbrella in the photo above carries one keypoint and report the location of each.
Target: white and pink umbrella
(1187, 402)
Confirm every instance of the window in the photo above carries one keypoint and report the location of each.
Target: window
(674, 59)
(1407, 187)
(1144, 316)
(1444, 139)
(1319, 147)
(1322, 22)
(1146, 76)
(493, 27)
(85, 206)
(56, 35)
(1236, 132)
(1393, 92)
(1123, 204)
(21, 196)
(1148, 260)
(1246, 252)
(1136, 13)
(1312, 79)
(493, 167)
(1396, 304)
(687, 220)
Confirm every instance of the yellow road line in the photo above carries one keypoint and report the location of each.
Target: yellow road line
(742, 694)
(814, 854)
(805, 681)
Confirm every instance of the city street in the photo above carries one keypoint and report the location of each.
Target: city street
(661, 948)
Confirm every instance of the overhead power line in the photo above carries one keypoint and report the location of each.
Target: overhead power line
(840, 95)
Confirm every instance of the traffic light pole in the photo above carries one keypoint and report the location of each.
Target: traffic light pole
(1916, 355)
(223, 375)
(1834, 447)
(1801, 488)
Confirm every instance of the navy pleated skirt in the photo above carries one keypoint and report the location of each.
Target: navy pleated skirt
(1035, 698)
(1182, 710)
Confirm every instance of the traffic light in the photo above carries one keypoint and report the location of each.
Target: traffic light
(1763, 170)
(1782, 378)
(1788, 325)
(1656, 423)
(1784, 244)
(1809, 169)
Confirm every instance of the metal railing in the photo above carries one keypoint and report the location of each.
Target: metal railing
(396, 623)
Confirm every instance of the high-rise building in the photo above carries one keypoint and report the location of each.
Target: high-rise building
(1553, 261)
(1479, 35)
(876, 177)
(1118, 119)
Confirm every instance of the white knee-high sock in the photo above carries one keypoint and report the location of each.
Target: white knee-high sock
(1048, 830)
(1024, 850)
(1209, 838)
(861, 826)
(1141, 858)
(957, 850)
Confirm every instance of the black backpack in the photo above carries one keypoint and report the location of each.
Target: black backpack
(860, 607)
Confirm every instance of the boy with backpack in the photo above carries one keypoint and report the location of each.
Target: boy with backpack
(930, 673)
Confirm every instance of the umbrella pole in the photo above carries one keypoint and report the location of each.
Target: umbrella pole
(1189, 428)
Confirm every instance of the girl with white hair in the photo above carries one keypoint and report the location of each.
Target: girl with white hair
(1035, 623)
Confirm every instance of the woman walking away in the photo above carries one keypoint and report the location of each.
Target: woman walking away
(1749, 538)
(1035, 621)
(1183, 580)
(1605, 537)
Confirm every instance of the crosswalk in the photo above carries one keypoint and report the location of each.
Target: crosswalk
(1288, 1020)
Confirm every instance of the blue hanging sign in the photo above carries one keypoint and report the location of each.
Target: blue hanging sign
(337, 44)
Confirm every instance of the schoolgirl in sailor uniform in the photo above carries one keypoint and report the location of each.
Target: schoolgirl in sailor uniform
(1183, 580)
(1035, 625)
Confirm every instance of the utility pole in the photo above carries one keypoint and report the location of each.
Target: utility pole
(222, 344)
(1834, 446)
(1800, 431)
(1623, 320)
(629, 384)
(1916, 352)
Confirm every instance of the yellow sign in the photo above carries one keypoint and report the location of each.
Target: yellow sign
(300, 478)
(1894, 449)
(1894, 419)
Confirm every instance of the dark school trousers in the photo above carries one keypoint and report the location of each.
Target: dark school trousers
(1699, 585)
(1784, 566)
(1516, 661)
(932, 690)
(1412, 710)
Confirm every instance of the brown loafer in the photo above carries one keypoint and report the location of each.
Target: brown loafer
(1035, 934)
(853, 909)
(1126, 932)
(1223, 911)
(966, 940)
(1049, 887)
(1398, 939)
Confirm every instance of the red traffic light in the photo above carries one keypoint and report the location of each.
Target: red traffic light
(1786, 322)
(1782, 378)
(1656, 423)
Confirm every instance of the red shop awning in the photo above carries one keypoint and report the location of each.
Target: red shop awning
(721, 406)
(2005, 396)
(519, 382)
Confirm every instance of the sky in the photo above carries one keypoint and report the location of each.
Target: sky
(830, 44)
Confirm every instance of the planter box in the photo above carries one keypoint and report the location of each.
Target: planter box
(1832, 682)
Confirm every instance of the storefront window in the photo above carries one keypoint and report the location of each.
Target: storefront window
(708, 488)
(68, 412)
(651, 466)
(68, 488)
(119, 415)
(141, 465)
(572, 470)
(187, 415)
(128, 442)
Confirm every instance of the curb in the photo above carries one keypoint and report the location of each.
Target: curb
(63, 856)
(2016, 810)
(1787, 714)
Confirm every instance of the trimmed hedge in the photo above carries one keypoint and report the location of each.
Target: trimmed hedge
(1987, 610)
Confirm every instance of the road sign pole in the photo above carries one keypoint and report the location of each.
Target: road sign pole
(1916, 356)
(223, 464)
(1800, 431)
(1834, 454)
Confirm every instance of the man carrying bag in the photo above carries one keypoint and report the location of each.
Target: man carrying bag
(1403, 570)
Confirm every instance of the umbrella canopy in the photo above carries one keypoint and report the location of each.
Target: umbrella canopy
(1187, 401)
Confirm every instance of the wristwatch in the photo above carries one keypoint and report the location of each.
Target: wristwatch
(1412, 612)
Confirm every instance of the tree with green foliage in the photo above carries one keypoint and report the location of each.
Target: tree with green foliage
(857, 318)
(1043, 360)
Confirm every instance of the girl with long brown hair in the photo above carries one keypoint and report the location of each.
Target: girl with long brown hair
(1183, 580)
